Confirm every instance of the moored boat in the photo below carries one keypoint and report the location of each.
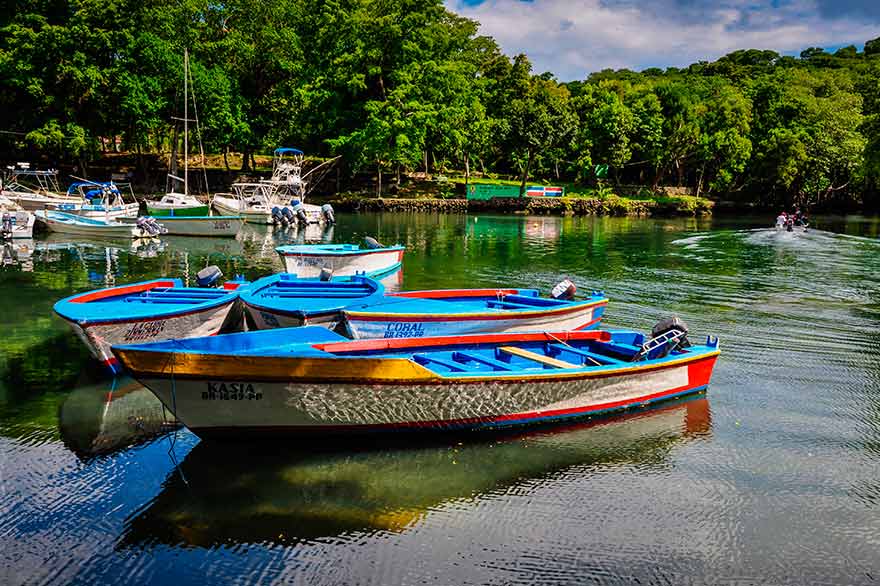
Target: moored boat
(308, 260)
(161, 309)
(77, 225)
(447, 312)
(313, 381)
(15, 221)
(177, 204)
(106, 201)
(215, 226)
(284, 300)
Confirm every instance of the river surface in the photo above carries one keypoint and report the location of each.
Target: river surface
(772, 477)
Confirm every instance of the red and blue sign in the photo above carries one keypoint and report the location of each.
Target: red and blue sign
(544, 191)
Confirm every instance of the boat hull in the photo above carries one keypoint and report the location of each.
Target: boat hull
(231, 206)
(262, 399)
(23, 227)
(100, 336)
(214, 226)
(129, 210)
(201, 210)
(370, 325)
(363, 261)
(34, 202)
(82, 229)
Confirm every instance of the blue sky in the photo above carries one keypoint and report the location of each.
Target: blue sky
(572, 38)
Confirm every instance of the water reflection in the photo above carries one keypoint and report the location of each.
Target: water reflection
(107, 417)
(225, 494)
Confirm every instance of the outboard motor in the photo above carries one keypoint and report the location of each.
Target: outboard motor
(277, 216)
(301, 216)
(667, 335)
(327, 212)
(208, 276)
(295, 202)
(149, 226)
(287, 216)
(7, 224)
(564, 290)
(372, 243)
(326, 274)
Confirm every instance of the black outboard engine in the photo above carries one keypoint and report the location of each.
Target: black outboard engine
(7, 224)
(287, 214)
(327, 212)
(564, 290)
(667, 335)
(372, 243)
(326, 274)
(277, 216)
(149, 226)
(301, 215)
(208, 276)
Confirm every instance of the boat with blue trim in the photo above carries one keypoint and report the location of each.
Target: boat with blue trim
(308, 260)
(311, 381)
(283, 300)
(447, 312)
(161, 309)
(68, 223)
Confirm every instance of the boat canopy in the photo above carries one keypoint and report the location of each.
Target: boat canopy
(288, 151)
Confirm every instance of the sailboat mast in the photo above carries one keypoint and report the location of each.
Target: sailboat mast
(185, 122)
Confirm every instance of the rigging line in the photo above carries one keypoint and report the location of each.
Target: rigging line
(198, 130)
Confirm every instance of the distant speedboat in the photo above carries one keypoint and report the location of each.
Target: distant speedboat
(15, 221)
(162, 309)
(77, 225)
(308, 260)
(310, 381)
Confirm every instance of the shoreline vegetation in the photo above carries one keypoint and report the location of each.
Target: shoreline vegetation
(398, 89)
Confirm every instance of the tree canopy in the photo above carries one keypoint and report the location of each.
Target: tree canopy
(406, 85)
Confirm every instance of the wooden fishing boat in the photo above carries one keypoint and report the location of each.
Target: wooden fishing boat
(162, 309)
(308, 260)
(313, 381)
(447, 312)
(283, 300)
(66, 223)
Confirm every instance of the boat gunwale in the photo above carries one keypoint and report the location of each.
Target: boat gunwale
(509, 313)
(230, 296)
(287, 251)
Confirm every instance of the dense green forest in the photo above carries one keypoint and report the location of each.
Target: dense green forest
(405, 85)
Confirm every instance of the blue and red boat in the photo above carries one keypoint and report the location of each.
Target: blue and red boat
(313, 381)
(161, 309)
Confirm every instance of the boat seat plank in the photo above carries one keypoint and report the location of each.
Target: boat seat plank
(537, 357)
(601, 358)
(426, 359)
(495, 364)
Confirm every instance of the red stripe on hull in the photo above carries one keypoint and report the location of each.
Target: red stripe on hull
(117, 291)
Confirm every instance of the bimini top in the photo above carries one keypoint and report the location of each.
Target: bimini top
(287, 294)
(333, 250)
(315, 354)
(148, 299)
(288, 151)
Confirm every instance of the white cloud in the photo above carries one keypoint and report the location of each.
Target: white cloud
(572, 38)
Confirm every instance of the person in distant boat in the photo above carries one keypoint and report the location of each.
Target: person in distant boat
(781, 219)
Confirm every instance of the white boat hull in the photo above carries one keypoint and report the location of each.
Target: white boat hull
(219, 226)
(99, 337)
(364, 327)
(111, 230)
(229, 406)
(231, 206)
(129, 210)
(266, 319)
(366, 261)
(35, 201)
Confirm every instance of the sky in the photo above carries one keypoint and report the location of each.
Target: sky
(572, 38)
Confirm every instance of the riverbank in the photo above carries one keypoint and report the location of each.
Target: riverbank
(611, 205)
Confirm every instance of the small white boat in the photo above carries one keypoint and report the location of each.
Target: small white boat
(84, 226)
(101, 200)
(308, 260)
(34, 189)
(15, 222)
(279, 200)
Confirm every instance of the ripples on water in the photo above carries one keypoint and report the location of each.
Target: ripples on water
(773, 478)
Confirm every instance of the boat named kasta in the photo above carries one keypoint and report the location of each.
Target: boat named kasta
(162, 309)
(313, 381)
(308, 260)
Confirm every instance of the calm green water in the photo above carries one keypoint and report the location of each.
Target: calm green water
(772, 477)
